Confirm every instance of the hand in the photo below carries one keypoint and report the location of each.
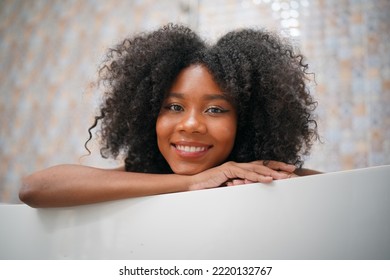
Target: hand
(233, 173)
(281, 167)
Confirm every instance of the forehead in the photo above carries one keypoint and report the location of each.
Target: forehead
(195, 78)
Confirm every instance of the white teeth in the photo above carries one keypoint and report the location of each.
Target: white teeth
(190, 149)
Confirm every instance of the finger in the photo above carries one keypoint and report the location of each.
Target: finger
(262, 174)
(242, 182)
(249, 171)
(277, 165)
(288, 174)
(249, 182)
(238, 182)
(266, 171)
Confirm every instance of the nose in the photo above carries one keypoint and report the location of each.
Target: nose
(192, 122)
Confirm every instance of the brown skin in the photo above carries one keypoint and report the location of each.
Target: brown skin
(69, 185)
(196, 131)
(197, 124)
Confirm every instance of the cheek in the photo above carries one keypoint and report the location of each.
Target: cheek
(231, 127)
(230, 136)
(164, 127)
(160, 134)
(226, 132)
(161, 126)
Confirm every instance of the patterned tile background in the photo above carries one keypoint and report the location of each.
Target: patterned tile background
(50, 51)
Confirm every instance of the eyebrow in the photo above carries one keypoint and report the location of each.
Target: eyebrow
(214, 96)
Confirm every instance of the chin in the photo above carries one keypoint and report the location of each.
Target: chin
(187, 170)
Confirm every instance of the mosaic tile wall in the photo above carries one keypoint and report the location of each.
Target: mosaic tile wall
(50, 50)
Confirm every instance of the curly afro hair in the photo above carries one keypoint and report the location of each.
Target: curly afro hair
(258, 70)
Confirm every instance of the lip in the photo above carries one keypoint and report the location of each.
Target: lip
(190, 149)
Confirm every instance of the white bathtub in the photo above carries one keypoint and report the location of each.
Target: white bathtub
(342, 215)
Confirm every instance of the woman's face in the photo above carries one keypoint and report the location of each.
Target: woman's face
(196, 126)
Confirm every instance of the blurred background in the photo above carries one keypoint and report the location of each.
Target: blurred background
(50, 51)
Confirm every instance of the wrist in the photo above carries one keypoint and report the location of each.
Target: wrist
(178, 183)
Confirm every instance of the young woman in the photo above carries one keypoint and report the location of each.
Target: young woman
(185, 115)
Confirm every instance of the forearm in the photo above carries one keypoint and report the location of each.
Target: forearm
(68, 185)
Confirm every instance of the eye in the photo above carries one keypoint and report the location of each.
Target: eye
(216, 110)
(174, 108)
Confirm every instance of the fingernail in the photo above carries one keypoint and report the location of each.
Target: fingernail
(292, 166)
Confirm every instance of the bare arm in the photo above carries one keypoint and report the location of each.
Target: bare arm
(68, 185)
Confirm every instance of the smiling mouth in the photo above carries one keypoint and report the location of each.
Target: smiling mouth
(188, 149)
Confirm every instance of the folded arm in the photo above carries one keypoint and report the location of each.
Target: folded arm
(69, 185)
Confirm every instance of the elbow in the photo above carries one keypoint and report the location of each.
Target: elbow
(29, 192)
(306, 172)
